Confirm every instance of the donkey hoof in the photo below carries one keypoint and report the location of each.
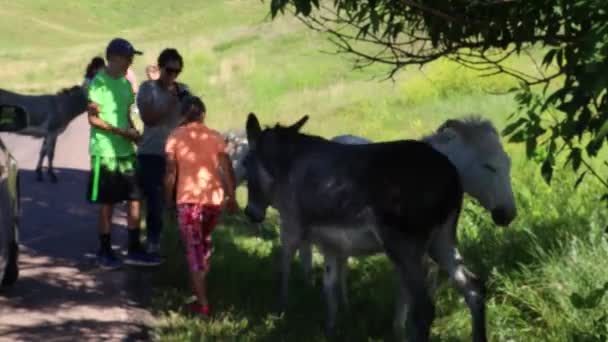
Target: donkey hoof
(280, 309)
(39, 177)
(330, 332)
(53, 178)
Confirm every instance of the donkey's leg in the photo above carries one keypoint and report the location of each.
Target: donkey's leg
(342, 266)
(443, 250)
(290, 240)
(52, 142)
(43, 152)
(404, 300)
(305, 252)
(401, 310)
(406, 254)
(433, 275)
(330, 282)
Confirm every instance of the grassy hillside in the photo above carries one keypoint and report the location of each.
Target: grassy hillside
(542, 271)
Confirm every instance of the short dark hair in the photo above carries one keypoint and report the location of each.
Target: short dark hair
(193, 101)
(121, 47)
(167, 55)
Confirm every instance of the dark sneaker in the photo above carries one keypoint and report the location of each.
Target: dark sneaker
(142, 259)
(153, 248)
(154, 251)
(108, 261)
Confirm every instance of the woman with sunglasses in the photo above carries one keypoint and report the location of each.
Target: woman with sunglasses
(159, 107)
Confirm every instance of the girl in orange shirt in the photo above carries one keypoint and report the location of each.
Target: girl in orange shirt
(200, 174)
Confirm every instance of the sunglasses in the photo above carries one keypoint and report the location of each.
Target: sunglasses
(173, 70)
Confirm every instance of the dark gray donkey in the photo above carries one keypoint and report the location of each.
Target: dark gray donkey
(238, 147)
(401, 198)
(49, 115)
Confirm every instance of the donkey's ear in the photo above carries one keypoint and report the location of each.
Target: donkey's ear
(296, 127)
(253, 128)
(447, 134)
(447, 124)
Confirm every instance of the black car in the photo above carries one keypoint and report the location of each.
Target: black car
(12, 119)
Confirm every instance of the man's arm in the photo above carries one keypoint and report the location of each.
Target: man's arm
(97, 122)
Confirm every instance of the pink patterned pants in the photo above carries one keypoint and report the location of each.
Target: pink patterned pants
(196, 222)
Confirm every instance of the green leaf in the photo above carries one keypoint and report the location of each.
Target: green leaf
(518, 137)
(590, 301)
(557, 95)
(546, 171)
(560, 58)
(580, 179)
(530, 147)
(593, 147)
(549, 57)
(603, 131)
(513, 126)
(304, 7)
(276, 6)
(576, 157)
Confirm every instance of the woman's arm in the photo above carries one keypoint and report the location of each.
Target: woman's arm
(150, 111)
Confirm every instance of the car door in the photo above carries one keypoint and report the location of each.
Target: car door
(6, 208)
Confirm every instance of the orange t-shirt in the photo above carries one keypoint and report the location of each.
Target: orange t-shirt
(195, 148)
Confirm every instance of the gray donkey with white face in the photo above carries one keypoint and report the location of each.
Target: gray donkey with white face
(49, 115)
(358, 199)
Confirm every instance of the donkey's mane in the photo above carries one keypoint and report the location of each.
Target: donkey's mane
(470, 128)
(68, 90)
(289, 131)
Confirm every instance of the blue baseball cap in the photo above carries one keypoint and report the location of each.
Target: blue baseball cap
(121, 47)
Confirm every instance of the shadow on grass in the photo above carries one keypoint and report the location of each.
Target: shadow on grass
(243, 288)
(243, 281)
(243, 291)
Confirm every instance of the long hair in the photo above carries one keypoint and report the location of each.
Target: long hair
(96, 63)
(167, 55)
(193, 108)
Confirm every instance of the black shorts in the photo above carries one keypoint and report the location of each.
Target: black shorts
(113, 180)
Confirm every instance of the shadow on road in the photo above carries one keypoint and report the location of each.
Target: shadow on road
(85, 329)
(60, 293)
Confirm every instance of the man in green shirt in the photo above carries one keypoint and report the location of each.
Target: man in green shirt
(112, 179)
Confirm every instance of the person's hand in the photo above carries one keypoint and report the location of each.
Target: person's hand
(132, 134)
(93, 108)
(231, 205)
(170, 204)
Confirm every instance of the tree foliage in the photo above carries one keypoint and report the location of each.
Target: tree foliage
(563, 108)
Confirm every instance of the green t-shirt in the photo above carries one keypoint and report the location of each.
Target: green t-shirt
(114, 97)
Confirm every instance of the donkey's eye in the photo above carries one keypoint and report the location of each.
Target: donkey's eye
(489, 168)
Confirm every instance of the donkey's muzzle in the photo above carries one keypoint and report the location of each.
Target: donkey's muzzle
(254, 215)
(503, 217)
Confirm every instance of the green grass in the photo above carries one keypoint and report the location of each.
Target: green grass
(545, 274)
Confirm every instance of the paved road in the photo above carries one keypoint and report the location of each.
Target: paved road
(60, 295)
